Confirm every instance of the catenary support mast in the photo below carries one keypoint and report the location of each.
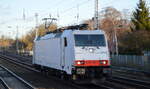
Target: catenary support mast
(96, 20)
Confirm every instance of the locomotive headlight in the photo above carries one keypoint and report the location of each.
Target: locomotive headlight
(104, 62)
(78, 62)
(91, 50)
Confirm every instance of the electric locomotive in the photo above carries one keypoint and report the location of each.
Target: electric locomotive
(78, 54)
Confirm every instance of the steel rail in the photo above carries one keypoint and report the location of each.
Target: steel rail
(4, 83)
(18, 78)
(25, 65)
(32, 69)
(131, 69)
(15, 59)
(133, 82)
(114, 78)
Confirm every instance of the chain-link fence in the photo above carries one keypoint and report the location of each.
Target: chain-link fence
(132, 61)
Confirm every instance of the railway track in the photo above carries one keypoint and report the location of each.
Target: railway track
(25, 65)
(17, 58)
(10, 80)
(52, 79)
(131, 70)
(24, 58)
(132, 74)
(131, 82)
(114, 83)
(3, 84)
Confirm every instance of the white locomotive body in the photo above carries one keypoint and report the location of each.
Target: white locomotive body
(76, 53)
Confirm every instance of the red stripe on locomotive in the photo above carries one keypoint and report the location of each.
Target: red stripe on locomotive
(92, 63)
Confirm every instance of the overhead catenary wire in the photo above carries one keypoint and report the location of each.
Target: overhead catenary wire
(73, 7)
(64, 12)
(76, 16)
(30, 18)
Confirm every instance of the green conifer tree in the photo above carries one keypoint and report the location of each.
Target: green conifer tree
(141, 17)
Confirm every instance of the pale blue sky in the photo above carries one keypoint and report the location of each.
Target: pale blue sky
(11, 12)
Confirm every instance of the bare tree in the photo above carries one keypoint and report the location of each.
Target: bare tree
(110, 22)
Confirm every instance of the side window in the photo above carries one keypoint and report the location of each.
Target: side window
(65, 42)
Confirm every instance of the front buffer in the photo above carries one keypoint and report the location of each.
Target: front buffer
(91, 70)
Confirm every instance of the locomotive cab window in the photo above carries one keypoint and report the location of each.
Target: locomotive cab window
(65, 42)
(90, 40)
